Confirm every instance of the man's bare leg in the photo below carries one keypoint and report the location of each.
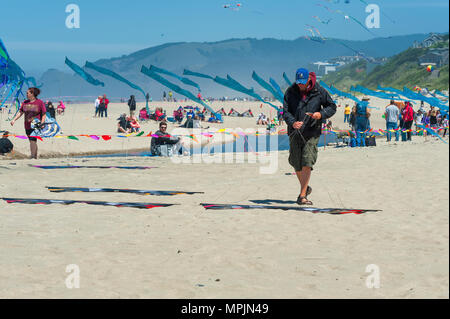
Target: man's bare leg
(33, 149)
(303, 177)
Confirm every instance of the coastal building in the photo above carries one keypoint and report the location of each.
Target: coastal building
(429, 41)
(437, 57)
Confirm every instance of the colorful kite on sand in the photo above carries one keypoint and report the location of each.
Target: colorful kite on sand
(332, 211)
(99, 167)
(114, 190)
(33, 201)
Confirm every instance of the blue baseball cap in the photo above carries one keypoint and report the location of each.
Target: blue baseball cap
(302, 76)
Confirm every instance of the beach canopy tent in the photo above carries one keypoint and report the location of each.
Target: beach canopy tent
(247, 113)
(222, 112)
(233, 113)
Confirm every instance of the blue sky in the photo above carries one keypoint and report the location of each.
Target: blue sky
(35, 34)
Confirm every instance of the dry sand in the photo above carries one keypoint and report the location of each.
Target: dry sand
(185, 251)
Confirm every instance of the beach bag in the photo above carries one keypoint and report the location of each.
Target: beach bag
(404, 137)
(371, 141)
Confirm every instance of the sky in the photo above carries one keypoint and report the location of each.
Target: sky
(37, 38)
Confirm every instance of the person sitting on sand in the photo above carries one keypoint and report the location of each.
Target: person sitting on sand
(163, 138)
(262, 119)
(178, 115)
(197, 123)
(189, 122)
(201, 116)
(143, 115)
(124, 124)
(159, 114)
(135, 126)
(61, 108)
(6, 146)
(212, 118)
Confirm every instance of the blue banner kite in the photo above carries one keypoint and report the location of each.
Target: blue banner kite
(235, 85)
(335, 91)
(276, 87)
(432, 101)
(380, 95)
(119, 78)
(268, 87)
(230, 83)
(174, 87)
(79, 70)
(432, 132)
(285, 77)
(200, 75)
(182, 79)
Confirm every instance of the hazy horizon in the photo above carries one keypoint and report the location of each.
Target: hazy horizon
(61, 67)
(112, 29)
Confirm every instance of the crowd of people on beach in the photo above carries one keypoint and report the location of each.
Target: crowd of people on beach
(400, 118)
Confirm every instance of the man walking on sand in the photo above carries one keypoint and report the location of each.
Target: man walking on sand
(306, 105)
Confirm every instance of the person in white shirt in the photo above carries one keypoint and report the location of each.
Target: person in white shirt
(418, 118)
(262, 119)
(97, 106)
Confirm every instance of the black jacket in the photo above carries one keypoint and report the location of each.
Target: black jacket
(163, 139)
(132, 104)
(295, 109)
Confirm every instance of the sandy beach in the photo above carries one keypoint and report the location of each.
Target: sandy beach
(185, 251)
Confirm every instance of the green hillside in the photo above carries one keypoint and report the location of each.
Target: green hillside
(399, 71)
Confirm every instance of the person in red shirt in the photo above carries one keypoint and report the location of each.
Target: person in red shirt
(105, 103)
(33, 108)
(408, 119)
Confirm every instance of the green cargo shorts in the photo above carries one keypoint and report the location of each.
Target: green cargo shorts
(302, 154)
